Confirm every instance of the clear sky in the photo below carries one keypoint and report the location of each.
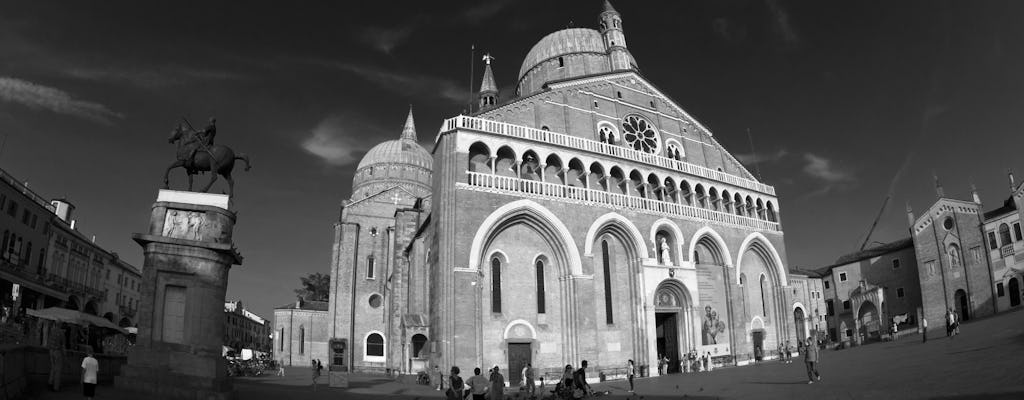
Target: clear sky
(837, 95)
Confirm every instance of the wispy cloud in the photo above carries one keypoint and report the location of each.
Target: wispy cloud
(334, 142)
(407, 83)
(824, 169)
(782, 24)
(827, 174)
(759, 158)
(41, 97)
(152, 78)
(387, 39)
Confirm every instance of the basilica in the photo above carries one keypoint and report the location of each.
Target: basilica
(587, 217)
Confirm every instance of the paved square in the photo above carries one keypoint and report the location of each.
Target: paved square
(985, 361)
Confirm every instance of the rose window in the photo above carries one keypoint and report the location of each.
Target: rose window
(639, 134)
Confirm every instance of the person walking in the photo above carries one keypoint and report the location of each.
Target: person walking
(56, 342)
(456, 390)
(436, 379)
(477, 385)
(631, 372)
(789, 353)
(89, 369)
(579, 378)
(924, 330)
(811, 360)
(528, 377)
(564, 386)
(709, 364)
(316, 373)
(661, 364)
(497, 389)
(280, 368)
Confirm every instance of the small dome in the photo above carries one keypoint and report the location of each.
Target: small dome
(398, 151)
(563, 42)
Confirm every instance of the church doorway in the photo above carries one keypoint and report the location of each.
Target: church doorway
(1014, 292)
(961, 301)
(667, 327)
(519, 355)
(800, 323)
(869, 320)
(757, 336)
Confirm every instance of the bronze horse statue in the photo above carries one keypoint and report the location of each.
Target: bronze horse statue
(195, 157)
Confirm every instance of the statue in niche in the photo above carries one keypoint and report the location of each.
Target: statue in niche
(666, 252)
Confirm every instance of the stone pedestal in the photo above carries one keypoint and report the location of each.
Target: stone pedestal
(188, 252)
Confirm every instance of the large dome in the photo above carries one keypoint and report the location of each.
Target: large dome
(400, 161)
(563, 42)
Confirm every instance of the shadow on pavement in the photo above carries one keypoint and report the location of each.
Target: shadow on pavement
(987, 396)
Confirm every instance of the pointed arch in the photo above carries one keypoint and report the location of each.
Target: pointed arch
(717, 239)
(536, 216)
(760, 244)
(620, 221)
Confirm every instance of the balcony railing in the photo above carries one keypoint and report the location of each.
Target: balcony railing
(615, 200)
(63, 284)
(1006, 250)
(543, 136)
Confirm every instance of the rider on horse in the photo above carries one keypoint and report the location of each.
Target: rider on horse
(199, 140)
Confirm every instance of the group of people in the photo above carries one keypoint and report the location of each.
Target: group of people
(572, 385)
(952, 323)
(692, 362)
(785, 353)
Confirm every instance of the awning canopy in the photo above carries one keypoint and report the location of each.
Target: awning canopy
(73, 317)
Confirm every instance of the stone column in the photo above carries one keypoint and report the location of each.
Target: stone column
(188, 253)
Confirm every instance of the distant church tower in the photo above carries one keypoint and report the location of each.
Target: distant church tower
(614, 39)
(488, 95)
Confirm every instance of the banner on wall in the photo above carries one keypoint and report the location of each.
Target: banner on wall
(714, 327)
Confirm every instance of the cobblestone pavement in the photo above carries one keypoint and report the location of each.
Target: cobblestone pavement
(986, 361)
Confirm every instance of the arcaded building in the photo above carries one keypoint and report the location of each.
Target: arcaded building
(586, 217)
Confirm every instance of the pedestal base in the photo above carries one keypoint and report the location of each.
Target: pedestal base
(163, 382)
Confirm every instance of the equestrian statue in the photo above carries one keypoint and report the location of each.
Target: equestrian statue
(197, 153)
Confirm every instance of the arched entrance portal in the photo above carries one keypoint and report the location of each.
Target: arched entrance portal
(869, 321)
(962, 306)
(800, 323)
(1014, 292)
(670, 305)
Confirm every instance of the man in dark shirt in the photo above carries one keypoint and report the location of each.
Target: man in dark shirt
(580, 378)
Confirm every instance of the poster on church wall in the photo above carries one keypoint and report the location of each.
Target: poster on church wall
(713, 310)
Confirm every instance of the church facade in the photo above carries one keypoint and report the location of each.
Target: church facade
(589, 217)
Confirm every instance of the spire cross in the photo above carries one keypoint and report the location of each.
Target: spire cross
(488, 58)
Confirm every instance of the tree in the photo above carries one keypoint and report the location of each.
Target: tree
(315, 287)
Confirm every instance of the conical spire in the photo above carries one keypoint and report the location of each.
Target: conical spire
(939, 192)
(608, 6)
(488, 84)
(488, 95)
(409, 130)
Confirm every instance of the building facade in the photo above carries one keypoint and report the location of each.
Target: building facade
(588, 217)
(244, 329)
(53, 264)
(1005, 249)
(867, 290)
(301, 333)
(953, 269)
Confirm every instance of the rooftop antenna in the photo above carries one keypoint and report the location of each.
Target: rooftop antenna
(472, 60)
(757, 165)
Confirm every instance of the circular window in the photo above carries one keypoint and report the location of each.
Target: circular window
(639, 134)
(375, 300)
(947, 223)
